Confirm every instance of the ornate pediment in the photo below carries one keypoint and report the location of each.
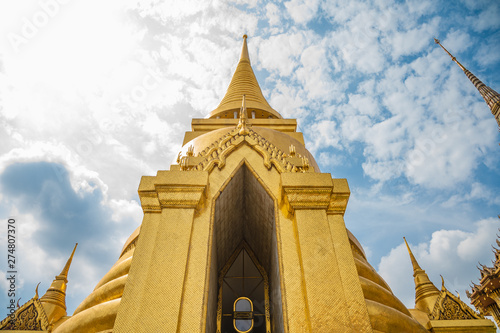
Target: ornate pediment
(219, 150)
(450, 307)
(29, 317)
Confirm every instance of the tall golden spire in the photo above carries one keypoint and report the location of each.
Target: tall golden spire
(54, 299)
(491, 97)
(426, 293)
(245, 83)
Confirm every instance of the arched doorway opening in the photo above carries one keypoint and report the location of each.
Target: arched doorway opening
(243, 278)
(244, 230)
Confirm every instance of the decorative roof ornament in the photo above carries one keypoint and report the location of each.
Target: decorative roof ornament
(245, 83)
(242, 125)
(491, 97)
(485, 295)
(450, 307)
(28, 317)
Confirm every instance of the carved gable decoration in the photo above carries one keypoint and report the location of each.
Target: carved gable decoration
(217, 152)
(29, 317)
(450, 307)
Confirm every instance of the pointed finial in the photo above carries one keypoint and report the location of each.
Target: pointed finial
(65, 270)
(451, 56)
(414, 262)
(36, 291)
(442, 281)
(490, 96)
(244, 51)
(242, 125)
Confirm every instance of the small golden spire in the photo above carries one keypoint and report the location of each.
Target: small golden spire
(414, 262)
(490, 96)
(65, 270)
(426, 293)
(242, 125)
(54, 299)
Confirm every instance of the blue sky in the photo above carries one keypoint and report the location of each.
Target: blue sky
(94, 95)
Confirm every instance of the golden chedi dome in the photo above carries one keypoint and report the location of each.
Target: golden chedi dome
(206, 148)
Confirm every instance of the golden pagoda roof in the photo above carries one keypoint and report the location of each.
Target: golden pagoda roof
(489, 284)
(245, 83)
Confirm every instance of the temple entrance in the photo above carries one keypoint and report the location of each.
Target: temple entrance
(244, 287)
(244, 258)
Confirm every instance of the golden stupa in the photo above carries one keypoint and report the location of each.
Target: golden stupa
(245, 234)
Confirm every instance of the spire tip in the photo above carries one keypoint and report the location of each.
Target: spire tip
(414, 262)
(65, 270)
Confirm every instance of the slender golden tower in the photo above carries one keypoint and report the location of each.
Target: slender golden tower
(491, 97)
(426, 292)
(54, 299)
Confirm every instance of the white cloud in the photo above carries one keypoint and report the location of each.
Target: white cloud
(289, 100)
(281, 52)
(313, 74)
(487, 18)
(488, 54)
(123, 209)
(325, 135)
(445, 157)
(354, 127)
(478, 191)
(302, 11)
(414, 40)
(273, 14)
(456, 41)
(359, 50)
